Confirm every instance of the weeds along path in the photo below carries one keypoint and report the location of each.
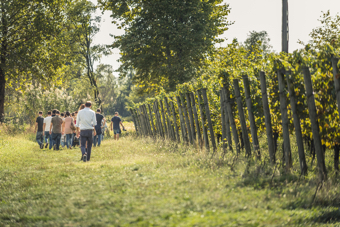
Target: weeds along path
(134, 182)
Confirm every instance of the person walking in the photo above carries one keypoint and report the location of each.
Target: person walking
(40, 132)
(116, 121)
(63, 137)
(98, 136)
(47, 124)
(55, 129)
(68, 129)
(86, 121)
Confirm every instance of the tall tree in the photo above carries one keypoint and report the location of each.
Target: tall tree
(27, 30)
(85, 26)
(258, 40)
(165, 41)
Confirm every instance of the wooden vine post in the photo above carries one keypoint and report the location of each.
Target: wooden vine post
(191, 118)
(171, 128)
(207, 113)
(158, 120)
(315, 126)
(163, 118)
(205, 134)
(199, 136)
(297, 126)
(336, 75)
(134, 120)
(285, 120)
(242, 117)
(231, 117)
(141, 122)
(181, 119)
(152, 121)
(148, 120)
(267, 116)
(175, 121)
(223, 114)
(141, 109)
(251, 117)
(185, 113)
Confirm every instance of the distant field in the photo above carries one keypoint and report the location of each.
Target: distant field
(137, 182)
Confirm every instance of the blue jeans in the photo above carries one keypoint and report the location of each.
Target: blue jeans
(40, 138)
(69, 138)
(49, 137)
(86, 135)
(56, 139)
(97, 138)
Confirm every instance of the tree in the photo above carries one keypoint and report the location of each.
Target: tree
(85, 27)
(27, 39)
(258, 40)
(166, 41)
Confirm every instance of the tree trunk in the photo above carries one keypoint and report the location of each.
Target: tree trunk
(2, 94)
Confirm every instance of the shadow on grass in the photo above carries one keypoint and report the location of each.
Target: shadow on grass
(329, 217)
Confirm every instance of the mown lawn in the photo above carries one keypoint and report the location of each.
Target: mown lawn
(136, 182)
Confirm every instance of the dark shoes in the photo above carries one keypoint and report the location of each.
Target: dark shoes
(54, 147)
(41, 146)
(84, 158)
(46, 145)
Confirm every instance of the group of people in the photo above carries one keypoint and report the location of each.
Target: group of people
(83, 127)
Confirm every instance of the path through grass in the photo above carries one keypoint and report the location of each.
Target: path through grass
(141, 183)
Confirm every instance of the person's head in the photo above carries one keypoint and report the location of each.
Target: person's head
(116, 113)
(57, 112)
(88, 104)
(76, 112)
(82, 106)
(67, 114)
(62, 115)
(49, 113)
(98, 110)
(40, 113)
(72, 114)
(54, 112)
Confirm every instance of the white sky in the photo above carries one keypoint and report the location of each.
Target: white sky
(249, 15)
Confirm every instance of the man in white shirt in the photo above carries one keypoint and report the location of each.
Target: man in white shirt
(86, 121)
(47, 124)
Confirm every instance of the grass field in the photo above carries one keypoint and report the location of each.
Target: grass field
(136, 182)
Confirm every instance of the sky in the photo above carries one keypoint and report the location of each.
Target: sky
(249, 15)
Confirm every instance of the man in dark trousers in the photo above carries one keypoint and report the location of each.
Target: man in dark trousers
(98, 136)
(40, 133)
(55, 129)
(115, 125)
(86, 121)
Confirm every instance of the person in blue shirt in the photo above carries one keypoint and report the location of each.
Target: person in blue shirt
(115, 125)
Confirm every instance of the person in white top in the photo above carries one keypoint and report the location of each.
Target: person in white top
(86, 122)
(47, 124)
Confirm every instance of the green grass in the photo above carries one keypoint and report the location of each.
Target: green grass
(137, 182)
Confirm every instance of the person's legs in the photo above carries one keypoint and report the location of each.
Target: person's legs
(39, 138)
(68, 140)
(89, 145)
(58, 140)
(82, 142)
(99, 138)
(50, 141)
(95, 139)
(46, 134)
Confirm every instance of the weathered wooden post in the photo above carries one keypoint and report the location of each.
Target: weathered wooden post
(147, 120)
(242, 118)
(267, 117)
(181, 119)
(199, 137)
(315, 126)
(141, 122)
(152, 122)
(147, 132)
(158, 119)
(336, 75)
(169, 118)
(285, 120)
(224, 134)
(231, 117)
(191, 118)
(251, 117)
(207, 113)
(226, 120)
(185, 113)
(175, 121)
(134, 120)
(297, 126)
(163, 118)
(205, 134)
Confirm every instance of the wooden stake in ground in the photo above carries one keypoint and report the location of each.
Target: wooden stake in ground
(199, 137)
(231, 117)
(224, 134)
(297, 126)
(163, 118)
(181, 119)
(227, 125)
(147, 120)
(285, 121)
(152, 121)
(169, 118)
(251, 117)
(175, 121)
(242, 118)
(134, 120)
(267, 117)
(207, 113)
(185, 113)
(205, 134)
(315, 125)
(158, 119)
(191, 118)
(336, 75)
